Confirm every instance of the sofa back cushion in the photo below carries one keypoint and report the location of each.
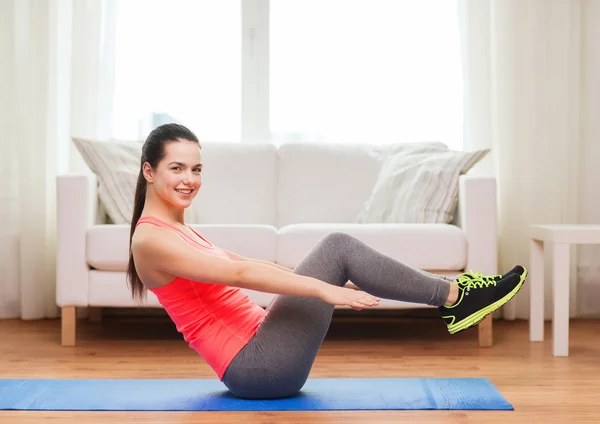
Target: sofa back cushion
(330, 182)
(238, 185)
(239, 181)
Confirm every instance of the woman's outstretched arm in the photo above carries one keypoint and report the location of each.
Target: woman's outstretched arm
(235, 257)
(160, 250)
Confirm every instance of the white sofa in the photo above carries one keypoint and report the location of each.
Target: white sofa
(273, 204)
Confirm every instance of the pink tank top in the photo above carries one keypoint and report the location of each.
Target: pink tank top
(216, 320)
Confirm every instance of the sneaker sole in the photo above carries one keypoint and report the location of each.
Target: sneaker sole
(478, 316)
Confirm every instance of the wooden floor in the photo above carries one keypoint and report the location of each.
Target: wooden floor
(542, 388)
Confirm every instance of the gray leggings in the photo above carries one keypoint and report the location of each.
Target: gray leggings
(277, 360)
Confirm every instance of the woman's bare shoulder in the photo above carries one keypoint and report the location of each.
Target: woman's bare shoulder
(147, 244)
(145, 237)
(151, 241)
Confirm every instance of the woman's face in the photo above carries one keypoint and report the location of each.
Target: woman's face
(178, 177)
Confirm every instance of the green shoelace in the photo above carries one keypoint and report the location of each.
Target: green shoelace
(476, 280)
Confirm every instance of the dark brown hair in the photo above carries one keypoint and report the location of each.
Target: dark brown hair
(153, 152)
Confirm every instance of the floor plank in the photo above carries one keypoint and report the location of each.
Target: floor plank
(540, 386)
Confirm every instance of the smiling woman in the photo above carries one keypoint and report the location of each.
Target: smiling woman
(269, 353)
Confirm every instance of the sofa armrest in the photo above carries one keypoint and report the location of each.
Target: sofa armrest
(77, 211)
(477, 215)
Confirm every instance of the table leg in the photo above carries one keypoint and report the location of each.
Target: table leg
(536, 289)
(560, 282)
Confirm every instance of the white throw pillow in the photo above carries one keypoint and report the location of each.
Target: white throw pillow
(418, 187)
(116, 164)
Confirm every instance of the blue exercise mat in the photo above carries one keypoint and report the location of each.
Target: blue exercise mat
(211, 395)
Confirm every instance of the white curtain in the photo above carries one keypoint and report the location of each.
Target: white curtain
(588, 283)
(527, 71)
(48, 50)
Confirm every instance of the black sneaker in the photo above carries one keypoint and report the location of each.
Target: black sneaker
(479, 296)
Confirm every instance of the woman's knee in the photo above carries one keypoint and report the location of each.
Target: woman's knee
(337, 238)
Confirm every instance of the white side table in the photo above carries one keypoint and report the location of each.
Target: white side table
(561, 237)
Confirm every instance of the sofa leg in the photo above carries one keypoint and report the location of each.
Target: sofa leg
(68, 325)
(485, 332)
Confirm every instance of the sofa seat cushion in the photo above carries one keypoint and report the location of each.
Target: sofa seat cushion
(432, 247)
(107, 246)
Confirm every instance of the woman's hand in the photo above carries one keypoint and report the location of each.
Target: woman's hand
(348, 297)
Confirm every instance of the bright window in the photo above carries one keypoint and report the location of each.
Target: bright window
(178, 60)
(373, 71)
(369, 71)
